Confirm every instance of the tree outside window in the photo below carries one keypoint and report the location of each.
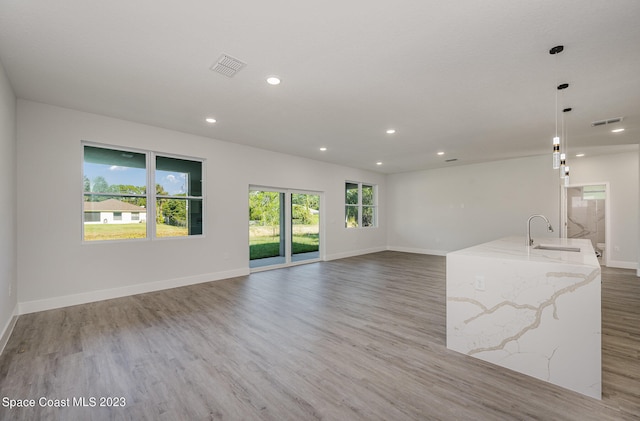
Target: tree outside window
(360, 205)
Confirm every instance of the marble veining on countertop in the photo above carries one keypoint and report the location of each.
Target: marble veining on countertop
(537, 312)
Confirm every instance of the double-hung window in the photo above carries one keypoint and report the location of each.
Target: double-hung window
(360, 205)
(178, 195)
(130, 194)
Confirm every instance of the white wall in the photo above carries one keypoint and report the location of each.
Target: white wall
(621, 172)
(8, 233)
(432, 211)
(69, 272)
(447, 209)
(441, 210)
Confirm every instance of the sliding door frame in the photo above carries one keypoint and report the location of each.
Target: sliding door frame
(286, 226)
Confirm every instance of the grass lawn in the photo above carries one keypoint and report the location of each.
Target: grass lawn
(94, 232)
(261, 247)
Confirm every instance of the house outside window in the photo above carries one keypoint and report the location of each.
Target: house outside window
(119, 200)
(361, 208)
(112, 211)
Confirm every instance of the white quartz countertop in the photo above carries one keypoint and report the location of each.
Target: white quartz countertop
(514, 248)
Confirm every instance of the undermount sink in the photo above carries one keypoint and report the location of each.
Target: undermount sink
(557, 248)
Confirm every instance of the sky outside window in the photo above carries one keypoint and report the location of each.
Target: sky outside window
(172, 182)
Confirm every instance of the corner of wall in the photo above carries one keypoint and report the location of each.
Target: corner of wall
(418, 250)
(8, 209)
(353, 253)
(5, 334)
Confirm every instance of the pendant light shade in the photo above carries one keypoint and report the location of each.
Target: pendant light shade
(556, 153)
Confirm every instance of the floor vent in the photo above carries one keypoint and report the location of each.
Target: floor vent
(227, 65)
(605, 122)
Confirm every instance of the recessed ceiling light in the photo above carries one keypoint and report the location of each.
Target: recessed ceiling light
(273, 80)
(617, 130)
(391, 131)
(579, 155)
(323, 149)
(378, 163)
(210, 120)
(440, 153)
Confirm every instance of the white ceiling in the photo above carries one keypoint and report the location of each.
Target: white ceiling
(471, 78)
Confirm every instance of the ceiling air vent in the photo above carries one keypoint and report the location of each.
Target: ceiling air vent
(227, 65)
(605, 122)
(451, 160)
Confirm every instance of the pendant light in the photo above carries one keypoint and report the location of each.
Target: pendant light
(563, 154)
(564, 148)
(564, 172)
(556, 140)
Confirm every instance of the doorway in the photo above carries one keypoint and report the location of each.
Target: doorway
(284, 227)
(587, 215)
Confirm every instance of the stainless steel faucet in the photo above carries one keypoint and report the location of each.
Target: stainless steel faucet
(529, 239)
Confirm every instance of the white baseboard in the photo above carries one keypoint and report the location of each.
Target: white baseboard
(621, 264)
(106, 294)
(353, 253)
(417, 250)
(89, 297)
(8, 329)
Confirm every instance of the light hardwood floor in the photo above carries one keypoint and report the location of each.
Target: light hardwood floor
(354, 339)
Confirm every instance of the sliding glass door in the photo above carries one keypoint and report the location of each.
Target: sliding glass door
(266, 236)
(305, 226)
(284, 227)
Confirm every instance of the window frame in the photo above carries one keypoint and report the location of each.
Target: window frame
(188, 198)
(360, 207)
(150, 195)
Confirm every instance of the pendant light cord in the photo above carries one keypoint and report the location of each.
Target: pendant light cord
(556, 112)
(563, 140)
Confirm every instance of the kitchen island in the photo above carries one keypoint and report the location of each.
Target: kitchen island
(532, 310)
